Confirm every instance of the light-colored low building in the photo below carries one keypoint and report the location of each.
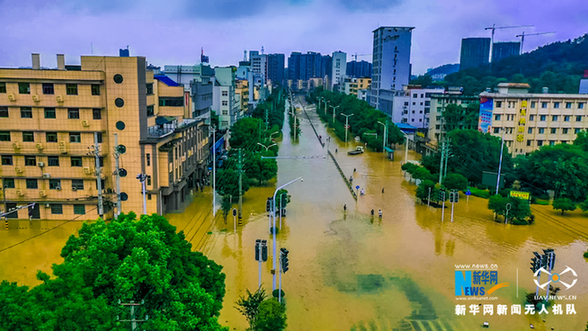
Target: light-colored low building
(49, 118)
(532, 120)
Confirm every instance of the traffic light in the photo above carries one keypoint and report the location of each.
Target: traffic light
(544, 261)
(534, 266)
(264, 250)
(441, 195)
(454, 196)
(268, 204)
(451, 195)
(284, 262)
(257, 246)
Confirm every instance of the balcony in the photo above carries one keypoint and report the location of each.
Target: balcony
(164, 126)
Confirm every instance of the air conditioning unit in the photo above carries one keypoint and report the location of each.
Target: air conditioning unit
(46, 175)
(85, 123)
(42, 193)
(39, 146)
(15, 145)
(20, 193)
(47, 205)
(59, 98)
(62, 147)
(74, 189)
(58, 188)
(36, 98)
(41, 164)
(18, 169)
(87, 171)
(11, 97)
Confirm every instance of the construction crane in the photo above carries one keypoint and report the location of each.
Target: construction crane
(356, 55)
(522, 35)
(494, 28)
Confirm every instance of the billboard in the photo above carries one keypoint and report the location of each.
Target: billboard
(520, 195)
(486, 107)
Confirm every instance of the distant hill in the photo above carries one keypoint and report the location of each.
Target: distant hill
(439, 73)
(558, 66)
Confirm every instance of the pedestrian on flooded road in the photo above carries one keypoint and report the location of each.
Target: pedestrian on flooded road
(372, 213)
(362, 192)
(345, 207)
(336, 151)
(380, 212)
(382, 190)
(354, 170)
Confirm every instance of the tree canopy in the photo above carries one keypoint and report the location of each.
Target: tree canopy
(126, 260)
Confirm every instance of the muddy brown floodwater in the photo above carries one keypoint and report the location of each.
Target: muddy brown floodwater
(351, 271)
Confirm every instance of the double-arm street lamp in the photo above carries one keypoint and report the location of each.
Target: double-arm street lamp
(346, 123)
(334, 112)
(385, 135)
(267, 147)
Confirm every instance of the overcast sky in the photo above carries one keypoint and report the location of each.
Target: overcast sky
(172, 32)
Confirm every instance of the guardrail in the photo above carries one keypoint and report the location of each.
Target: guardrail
(344, 177)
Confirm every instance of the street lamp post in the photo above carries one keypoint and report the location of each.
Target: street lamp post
(274, 228)
(385, 135)
(346, 124)
(334, 113)
(142, 178)
(267, 147)
(406, 147)
(500, 163)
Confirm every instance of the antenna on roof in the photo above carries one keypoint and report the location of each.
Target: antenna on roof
(261, 50)
(245, 55)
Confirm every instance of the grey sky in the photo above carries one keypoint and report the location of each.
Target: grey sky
(172, 32)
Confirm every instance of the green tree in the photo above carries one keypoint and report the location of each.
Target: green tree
(286, 198)
(519, 208)
(584, 205)
(582, 140)
(564, 204)
(249, 306)
(423, 174)
(422, 191)
(226, 206)
(455, 182)
(126, 260)
(227, 182)
(246, 133)
(214, 118)
(271, 316)
(261, 169)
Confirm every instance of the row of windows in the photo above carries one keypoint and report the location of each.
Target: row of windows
(72, 113)
(541, 130)
(50, 137)
(49, 88)
(542, 118)
(544, 104)
(54, 184)
(52, 161)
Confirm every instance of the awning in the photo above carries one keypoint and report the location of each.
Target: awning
(388, 149)
(164, 119)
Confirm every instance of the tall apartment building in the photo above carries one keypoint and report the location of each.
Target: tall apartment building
(224, 100)
(439, 102)
(50, 118)
(532, 120)
(500, 50)
(474, 52)
(391, 60)
(275, 68)
(359, 69)
(259, 68)
(339, 70)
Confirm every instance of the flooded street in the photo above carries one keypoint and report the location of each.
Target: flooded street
(349, 271)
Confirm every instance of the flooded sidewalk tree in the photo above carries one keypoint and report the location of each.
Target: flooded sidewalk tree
(127, 260)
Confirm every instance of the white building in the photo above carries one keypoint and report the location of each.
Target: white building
(339, 69)
(391, 60)
(224, 100)
(259, 68)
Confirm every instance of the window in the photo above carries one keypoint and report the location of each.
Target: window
(554, 118)
(79, 209)
(3, 111)
(539, 143)
(32, 184)
(578, 118)
(150, 111)
(30, 160)
(102, 182)
(496, 130)
(225, 93)
(498, 104)
(28, 136)
(73, 113)
(75, 137)
(415, 95)
(7, 160)
(541, 130)
(48, 88)
(56, 209)
(551, 142)
(97, 113)
(53, 161)
(71, 89)
(566, 118)
(497, 117)
(76, 161)
(171, 101)
(148, 196)
(568, 105)
(77, 184)
(528, 143)
(564, 131)
(556, 105)
(533, 104)
(54, 184)
(225, 103)
(553, 130)
(2, 87)
(542, 117)
(148, 159)
(8, 182)
(149, 88)
(437, 126)
(544, 105)
(95, 89)
(51, 137)
(24, 88)
(530, 131)
(49, 112)
(148, 180)
(580, 105)
(99, 137)
(531, 117)
(26, 112)
(225, 112)
(4, 135)
(577, 130)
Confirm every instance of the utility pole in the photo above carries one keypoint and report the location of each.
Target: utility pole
(346, 123)
(429, 200)
(142, 178)
(214, 170)
(98, 179)
(334, 113)
(441, 165)
(240, 169)
(133, 321)
(500, 163)
(117, 173)
(446, 159)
